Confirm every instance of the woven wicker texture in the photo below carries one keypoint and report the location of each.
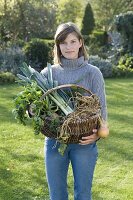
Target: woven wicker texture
(81, 122)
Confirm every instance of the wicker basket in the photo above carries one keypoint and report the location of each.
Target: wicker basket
(80, 122)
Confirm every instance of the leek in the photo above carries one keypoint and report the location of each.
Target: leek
(44, 84)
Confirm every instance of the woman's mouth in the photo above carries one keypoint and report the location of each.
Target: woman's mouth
(69, 51)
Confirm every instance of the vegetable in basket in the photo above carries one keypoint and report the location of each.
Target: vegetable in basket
(35, 85)
(52, 109)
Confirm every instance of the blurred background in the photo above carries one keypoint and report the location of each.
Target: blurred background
(27, 29)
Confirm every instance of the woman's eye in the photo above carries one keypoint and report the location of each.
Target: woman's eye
(73, 41)
(62, 43)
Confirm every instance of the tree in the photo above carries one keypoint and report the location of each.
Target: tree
(124, 25)
(68, 10)
(26, 19)
(105, 10)
(34, 19)
(4, 22)
(88, 21)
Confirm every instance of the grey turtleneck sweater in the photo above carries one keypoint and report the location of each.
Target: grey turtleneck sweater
(79, 72)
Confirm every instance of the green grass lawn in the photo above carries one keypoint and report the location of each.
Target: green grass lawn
(22, 172)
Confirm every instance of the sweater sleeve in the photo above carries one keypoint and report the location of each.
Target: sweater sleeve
(98, 88)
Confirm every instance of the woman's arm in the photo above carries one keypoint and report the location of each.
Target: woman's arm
(98, 88)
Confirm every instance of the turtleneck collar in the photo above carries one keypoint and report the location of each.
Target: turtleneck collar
(73, 64)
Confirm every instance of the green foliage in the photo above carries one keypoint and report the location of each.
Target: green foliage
(68, 10)
(105, 66)
(105, 10)
(30, 96)
(31, 19)
(38, 52)
(17, 43)
(99, 38)
(88, 21)
(27, 19)
(122, 72)
(125, 67)
(30, 100)
(124, 25)
(97, 44)
(7, 77)
(11, 59)
(126, 62)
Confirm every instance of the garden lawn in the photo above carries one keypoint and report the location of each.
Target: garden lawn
(22, 172)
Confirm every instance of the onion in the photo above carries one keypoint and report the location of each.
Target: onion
(103, 131)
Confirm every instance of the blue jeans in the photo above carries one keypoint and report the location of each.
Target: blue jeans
(83, 159)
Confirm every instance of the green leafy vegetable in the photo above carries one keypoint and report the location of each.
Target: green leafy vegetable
(28, 103)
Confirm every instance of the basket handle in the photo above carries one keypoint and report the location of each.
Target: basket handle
(65, 86)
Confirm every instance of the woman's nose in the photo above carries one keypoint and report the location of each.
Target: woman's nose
(68, 46)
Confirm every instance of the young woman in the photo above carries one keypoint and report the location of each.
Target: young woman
(71, 65)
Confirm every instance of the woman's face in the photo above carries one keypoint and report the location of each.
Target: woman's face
(70, 46)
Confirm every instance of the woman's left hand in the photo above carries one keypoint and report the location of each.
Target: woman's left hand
(89, 139)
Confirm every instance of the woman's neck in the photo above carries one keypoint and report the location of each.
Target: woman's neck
(72, 64)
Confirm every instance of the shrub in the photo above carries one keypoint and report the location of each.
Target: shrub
(11, 59)
(97, 44)
(7, 77)
(126, 62)
(124, 25)
(38, 52)
(125, 67)
(122, 72)
(15, 43)
(99, 37)
(105, 66)
(19, 43)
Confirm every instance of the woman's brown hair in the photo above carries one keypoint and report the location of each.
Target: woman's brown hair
(61, 34)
